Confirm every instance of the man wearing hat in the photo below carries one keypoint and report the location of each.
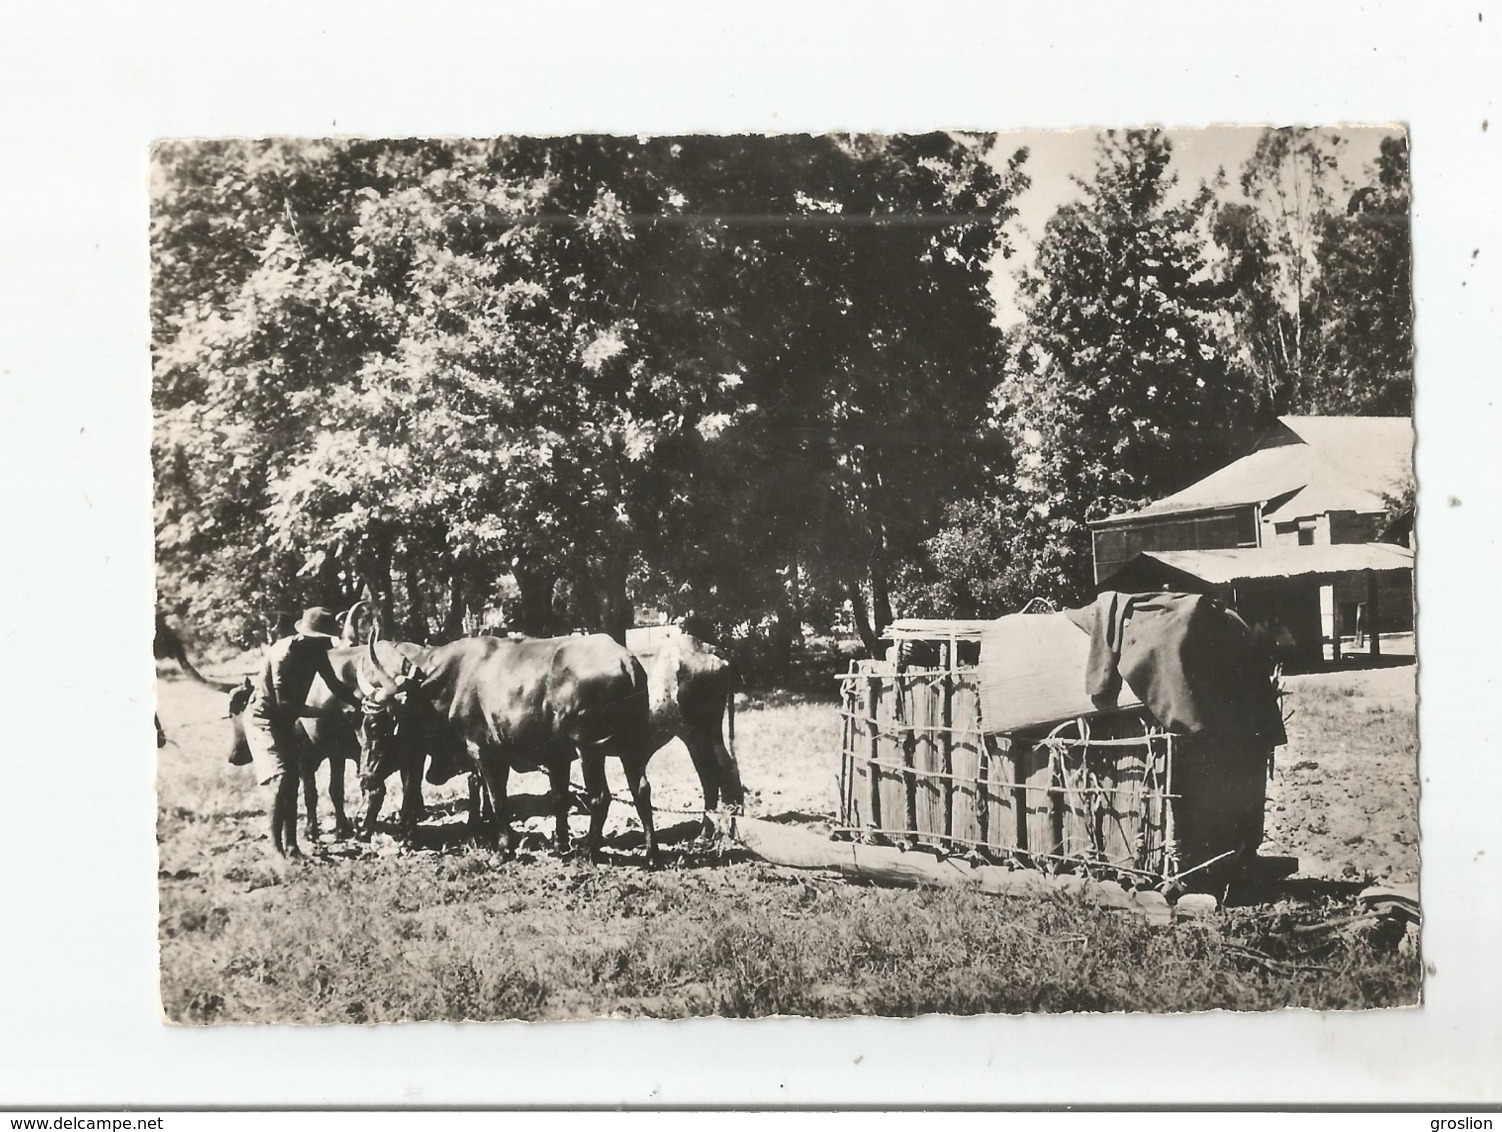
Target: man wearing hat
(278, 699)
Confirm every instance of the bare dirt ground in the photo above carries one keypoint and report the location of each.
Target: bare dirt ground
(446, 931)
(1345, 791)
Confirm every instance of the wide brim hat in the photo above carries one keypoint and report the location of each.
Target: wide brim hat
(318, 622)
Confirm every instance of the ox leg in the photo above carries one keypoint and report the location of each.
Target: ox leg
(308, 772)
(558, 788)
(641, 794)
(374, 800)
(494, 771)
(413, 810)
(479, 792)
(284, 814)
(731, 790)
(596, 797)
(702, 753)
(476, 807)
(342, 830)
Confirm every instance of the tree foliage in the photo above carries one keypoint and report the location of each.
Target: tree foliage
(1272, 236)
(1322, 318)
(418, 368)
(1364, 298)
(1165, 328)
(1120, 391)
(756, 380)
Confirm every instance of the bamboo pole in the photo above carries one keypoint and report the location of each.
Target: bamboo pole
(897, 732)
(873, 773)
(1111, 864)
(903, 768)
(847, 725)
(946, 736)
(983, 788)
(908, 742)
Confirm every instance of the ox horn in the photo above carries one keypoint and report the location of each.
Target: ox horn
(386, 678)
(368, 690)
(351, 629)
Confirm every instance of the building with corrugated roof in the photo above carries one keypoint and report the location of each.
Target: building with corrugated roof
(1290, 534)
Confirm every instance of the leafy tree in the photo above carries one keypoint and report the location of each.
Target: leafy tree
(411, 368)
(1364, 296)
(414, 392)
(1398, 515)
(1271, 240)
(869, 352)
(1120, 390)
(232, 380)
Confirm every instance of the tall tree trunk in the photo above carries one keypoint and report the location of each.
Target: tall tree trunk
(616, 613)
(862, 617)
(453, 618)
(585, 608)
(881, 598)
(329, 587)
(881, 595)
(784, 630)
(787, 628)
(419, 628)
(376, 572)
(536, 583)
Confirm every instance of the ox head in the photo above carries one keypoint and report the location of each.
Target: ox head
(386, 728)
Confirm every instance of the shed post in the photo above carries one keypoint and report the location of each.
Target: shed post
(907, 701)
(946, 736)
(1371, 613)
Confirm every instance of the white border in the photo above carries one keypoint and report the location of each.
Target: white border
(86, 90)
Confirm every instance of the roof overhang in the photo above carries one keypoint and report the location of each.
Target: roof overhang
(1187, 512)
(1219, 567)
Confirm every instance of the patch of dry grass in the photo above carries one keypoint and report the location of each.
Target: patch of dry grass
(460, 937)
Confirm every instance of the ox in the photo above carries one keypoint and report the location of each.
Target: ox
(692, 698)
(329, 734)
(528, 704)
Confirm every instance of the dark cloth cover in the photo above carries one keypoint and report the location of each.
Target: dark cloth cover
(1191, 660)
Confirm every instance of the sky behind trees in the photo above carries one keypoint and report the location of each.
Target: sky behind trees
(1056, 157)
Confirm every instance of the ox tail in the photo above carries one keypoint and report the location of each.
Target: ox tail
(180, 655)
(732, 773)
(168, 645)
(730, 716)
(217, 685)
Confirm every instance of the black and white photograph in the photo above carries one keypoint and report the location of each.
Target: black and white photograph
(908, 562)
(749, 575)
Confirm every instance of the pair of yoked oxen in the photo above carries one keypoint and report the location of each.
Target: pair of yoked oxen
(489, 705)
